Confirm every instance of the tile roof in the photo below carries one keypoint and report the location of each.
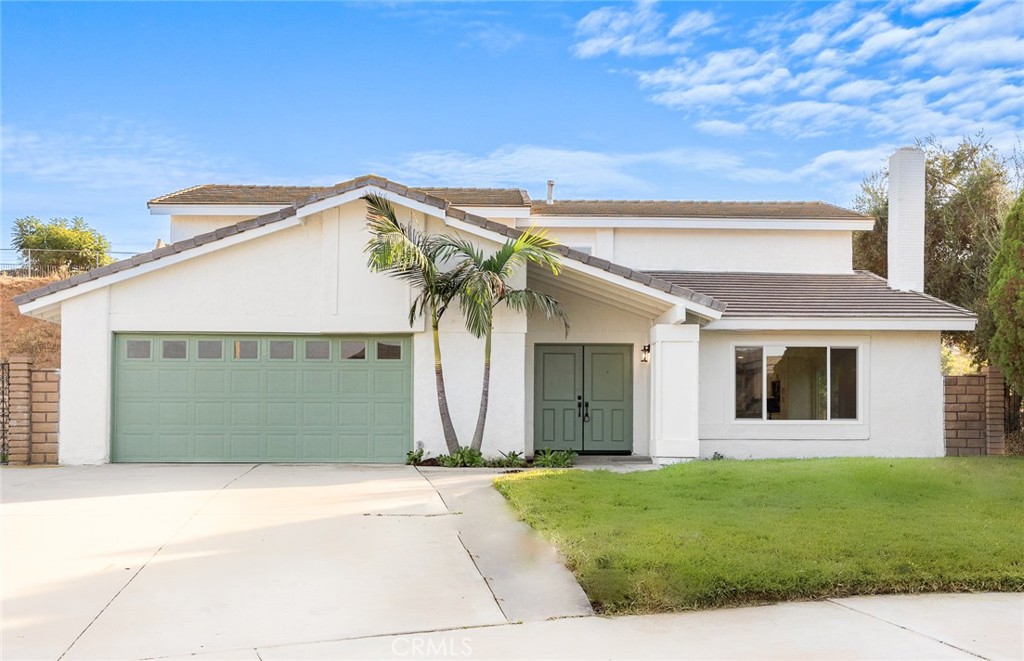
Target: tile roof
(858, 294)
(271, 195)
(694, 209)
(344, 187)
(481, 197)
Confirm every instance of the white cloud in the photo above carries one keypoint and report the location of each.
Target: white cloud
(928, 7)
(721, 127)
(807, 43)
(858, 90)
(895, 70)
(584, 173)
(638, 30)
(694, 22)
(113, 154)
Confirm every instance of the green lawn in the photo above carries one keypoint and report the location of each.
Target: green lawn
(718, 533)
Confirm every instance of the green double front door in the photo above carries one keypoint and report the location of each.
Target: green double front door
(249, 398)
(583, 398)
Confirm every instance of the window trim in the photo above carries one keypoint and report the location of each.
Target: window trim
(223, 352)
(840, 343)
(165, 340)
(270, 350)
(138, 339)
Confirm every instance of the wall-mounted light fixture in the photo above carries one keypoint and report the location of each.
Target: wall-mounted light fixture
(645, 353)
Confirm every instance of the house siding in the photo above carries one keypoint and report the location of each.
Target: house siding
(900, 401)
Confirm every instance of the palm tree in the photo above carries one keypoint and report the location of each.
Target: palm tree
(405, 253)
(484, 284)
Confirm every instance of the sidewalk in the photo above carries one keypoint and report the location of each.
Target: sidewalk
(936, 626)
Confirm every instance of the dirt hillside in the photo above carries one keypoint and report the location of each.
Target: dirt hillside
(24, 336)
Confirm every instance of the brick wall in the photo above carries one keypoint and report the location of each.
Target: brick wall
(975, 410)
(33, 425)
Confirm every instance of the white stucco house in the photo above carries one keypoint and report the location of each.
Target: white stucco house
(740, 328)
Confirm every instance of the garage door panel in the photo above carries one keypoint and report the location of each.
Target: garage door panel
(318, 414)
(282, 447)
(174, 382)
(174, 414)
(282, 414)
(389, 383)
(245, 413)
(211, 414)
(318, 381)
(171, 447)
(246, 447)
(134, 446)
(246, 381)
(354, 382)
(137, 412)
(388, 445)
(249, 398)
(389, 414)
(211, 381)
(353, 414)
(356, 446)
(282, 382)
(318, 447)
(211, 447)
(139, 382)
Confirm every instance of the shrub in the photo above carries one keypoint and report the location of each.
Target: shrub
(462, 458)
(414, 457)
(511, 459)
(548, 458)
(1015, 443)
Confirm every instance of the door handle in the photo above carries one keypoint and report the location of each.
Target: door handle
(579, 406)
(586, 411)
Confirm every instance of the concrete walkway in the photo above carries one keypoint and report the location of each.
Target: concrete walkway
(286, 562)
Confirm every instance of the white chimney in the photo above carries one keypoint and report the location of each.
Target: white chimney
(906, 219)
(551, 191)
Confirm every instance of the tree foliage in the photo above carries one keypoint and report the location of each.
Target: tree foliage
(403, 252)
(1006, 296)
(61, 243)
(443, 268)
(968, 190)
(485, 283)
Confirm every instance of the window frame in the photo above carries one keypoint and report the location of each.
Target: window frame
(165, 340)
(841, 343)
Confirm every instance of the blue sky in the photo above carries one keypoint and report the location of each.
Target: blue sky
(108, 105)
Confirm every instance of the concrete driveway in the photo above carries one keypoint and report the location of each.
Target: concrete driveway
(140, 561)
(324, 562)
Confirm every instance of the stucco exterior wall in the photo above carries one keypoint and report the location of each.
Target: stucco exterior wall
(900, 399)
(183, 227)
(766, 251)
(85, 353)
(311, 278)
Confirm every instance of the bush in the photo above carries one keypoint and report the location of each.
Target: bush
(1015, 443)
(414, 457)
(462, 458)
(511, 459)
(548, 458)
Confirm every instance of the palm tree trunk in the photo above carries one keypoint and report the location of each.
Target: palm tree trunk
(451, 439)
(485, 393)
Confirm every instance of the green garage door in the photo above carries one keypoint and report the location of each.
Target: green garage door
(223, 398)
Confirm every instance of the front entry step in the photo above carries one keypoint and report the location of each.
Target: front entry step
(583, 398)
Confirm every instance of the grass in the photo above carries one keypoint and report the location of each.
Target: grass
(724, 533)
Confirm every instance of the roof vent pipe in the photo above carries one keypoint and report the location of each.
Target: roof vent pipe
(551, 191)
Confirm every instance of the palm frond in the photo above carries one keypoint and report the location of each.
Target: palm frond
(530, 300)
(392, 244)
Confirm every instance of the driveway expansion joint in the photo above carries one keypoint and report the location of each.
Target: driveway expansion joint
(908, 629)
(138, 571)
